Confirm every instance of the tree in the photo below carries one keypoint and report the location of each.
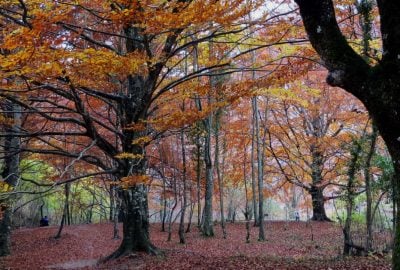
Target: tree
(91, 74)
(309, 129)
(377, 84)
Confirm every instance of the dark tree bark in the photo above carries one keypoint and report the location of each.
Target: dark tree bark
(318, 204)
(5, 232)
(65, 216)
(164, 199)
(10, 174)
(378, 87)
(135, 225)
(316, 190)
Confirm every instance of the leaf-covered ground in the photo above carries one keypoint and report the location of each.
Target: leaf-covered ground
(289, 245)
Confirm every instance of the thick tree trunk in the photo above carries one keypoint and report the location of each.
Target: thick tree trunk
(316, 190)
(135, 223)
(395, 153)
(10, 174)
(5, 232)
(318, 204)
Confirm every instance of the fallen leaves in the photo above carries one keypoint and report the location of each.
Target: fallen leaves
(288, 246)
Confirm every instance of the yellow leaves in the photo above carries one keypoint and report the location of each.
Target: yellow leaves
(142, 140)
(133, 180)
(4, 187)
(282, 93)
(125, 155)
(100, 64)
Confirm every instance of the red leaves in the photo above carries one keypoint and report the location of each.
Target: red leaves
(288, 246)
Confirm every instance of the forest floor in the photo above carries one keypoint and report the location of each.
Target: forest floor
(289, 245)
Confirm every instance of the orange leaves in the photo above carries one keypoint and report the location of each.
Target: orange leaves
(178, 119)
(7, 121)
(141, 126)
(142, 140)
(158, 16)
(132, 180)
(129, 156)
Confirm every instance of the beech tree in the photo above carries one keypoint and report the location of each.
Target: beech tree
(308, 134)
(91, 74)
(377, 85)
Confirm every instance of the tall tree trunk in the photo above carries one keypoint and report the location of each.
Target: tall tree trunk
(369, 217)
(171, 214)
(365, 8)
(115, 212)
(350, 196)
(198, 178)
(67, 206)
(260, 173)
(190, 217)
(164, 199)
(199, 128)
(247, 210)
(394, 200)
(65, 215)
(207, 222)
(133, 109)
(10, 174)
(112, 203)
(184, 203)
(134, 204)
(5, 231)
(252, 160)
(217, 167)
